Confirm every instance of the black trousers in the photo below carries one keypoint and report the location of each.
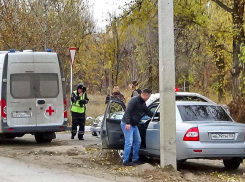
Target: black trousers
(78, 121)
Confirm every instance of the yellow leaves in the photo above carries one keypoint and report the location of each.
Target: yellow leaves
(123, 169)
(226, 176)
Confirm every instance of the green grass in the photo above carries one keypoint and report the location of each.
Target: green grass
(96, 105)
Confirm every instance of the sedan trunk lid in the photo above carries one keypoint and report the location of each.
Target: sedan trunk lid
(221, 132)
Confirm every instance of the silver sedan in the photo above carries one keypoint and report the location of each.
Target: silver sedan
(204, 130)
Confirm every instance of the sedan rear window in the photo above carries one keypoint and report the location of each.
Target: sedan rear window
(203, 113)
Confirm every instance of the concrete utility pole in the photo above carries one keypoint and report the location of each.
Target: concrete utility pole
(167, 83)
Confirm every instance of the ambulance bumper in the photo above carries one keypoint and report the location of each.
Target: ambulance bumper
(34, 129)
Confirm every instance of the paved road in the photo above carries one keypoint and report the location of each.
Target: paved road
(29, 140)
(88, 139)
(14, 171)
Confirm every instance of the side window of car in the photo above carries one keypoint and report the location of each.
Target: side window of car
(152, 109)
(156, 116)
(116, 111)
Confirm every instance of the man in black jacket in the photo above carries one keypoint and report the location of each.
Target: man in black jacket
(78, 98)
(133, 113)
(136, 91)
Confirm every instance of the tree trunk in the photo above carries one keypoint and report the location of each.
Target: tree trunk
(117, 67)
(150, 80)
(237, 71)
(238, 39)
(220, 64)
(106, 80)
(217, 50)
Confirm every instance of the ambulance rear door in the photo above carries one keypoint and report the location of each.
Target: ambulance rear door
(49, 92)
(19, 88)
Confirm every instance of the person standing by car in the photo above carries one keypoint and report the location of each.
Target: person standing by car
(136, 91)
(116, 94)
(78, 98)
(133, 113)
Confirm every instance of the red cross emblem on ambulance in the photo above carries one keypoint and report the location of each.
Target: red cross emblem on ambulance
(50, 111)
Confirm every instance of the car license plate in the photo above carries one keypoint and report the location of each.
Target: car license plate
(223, 136)
(21, 114)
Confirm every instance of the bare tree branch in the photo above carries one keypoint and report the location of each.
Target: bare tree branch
(223, 6)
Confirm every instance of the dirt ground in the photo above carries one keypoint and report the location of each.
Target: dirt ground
(86, 157)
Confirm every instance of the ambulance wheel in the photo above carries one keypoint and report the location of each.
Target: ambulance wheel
(48, 140)
(39, 138)
(10, 137)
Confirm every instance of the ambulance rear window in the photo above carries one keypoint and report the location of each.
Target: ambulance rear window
(21, 86)
(48, 84)
(34, 85)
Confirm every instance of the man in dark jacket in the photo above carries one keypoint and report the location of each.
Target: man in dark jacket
(78, 98)
(133, 113)
(136, 91)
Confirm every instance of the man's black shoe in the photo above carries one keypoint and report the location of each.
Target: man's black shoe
(128, 163)
(81, 138)
(72, 137)
(137, 162)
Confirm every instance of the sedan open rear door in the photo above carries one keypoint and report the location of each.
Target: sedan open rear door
(111, 133)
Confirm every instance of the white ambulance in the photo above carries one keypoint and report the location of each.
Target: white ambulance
(32, 89)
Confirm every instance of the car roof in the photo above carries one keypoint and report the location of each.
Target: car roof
(188, 93)
(156, 96)
(191, 103)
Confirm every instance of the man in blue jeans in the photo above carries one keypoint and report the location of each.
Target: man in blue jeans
(133, 113)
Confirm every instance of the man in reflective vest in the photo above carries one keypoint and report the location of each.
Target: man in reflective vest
(78, 98)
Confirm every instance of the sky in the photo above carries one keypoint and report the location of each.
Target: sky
(101, 8)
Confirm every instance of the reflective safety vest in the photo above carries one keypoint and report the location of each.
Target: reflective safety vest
(76, 106)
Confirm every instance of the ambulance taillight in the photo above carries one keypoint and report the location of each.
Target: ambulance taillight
(65, 109)
(4, 109)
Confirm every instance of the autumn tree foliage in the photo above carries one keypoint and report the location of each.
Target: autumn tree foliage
(23, 25)
(209, 43)
(209, 47)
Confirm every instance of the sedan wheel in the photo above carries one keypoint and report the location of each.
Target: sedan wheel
(233, 163)
(181, 161)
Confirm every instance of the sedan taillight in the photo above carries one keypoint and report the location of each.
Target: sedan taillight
(192, 135)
